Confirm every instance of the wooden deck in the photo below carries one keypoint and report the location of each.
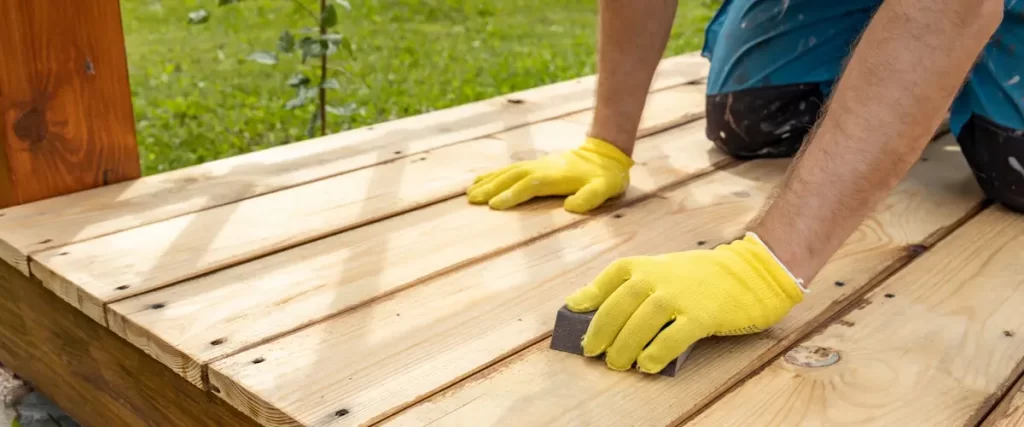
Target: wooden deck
(344, 281)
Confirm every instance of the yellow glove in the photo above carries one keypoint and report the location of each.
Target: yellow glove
(589, 175)
(734, 289)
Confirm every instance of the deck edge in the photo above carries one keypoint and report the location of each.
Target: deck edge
(160, 350)
(260, 410)
(96, 376)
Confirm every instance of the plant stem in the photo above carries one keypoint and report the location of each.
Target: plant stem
(323, 74)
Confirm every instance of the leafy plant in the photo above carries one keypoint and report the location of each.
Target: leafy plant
(319, 46)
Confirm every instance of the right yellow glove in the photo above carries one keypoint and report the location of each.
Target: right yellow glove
(589, 175)
(737, 288)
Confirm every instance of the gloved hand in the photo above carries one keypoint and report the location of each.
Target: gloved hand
(733, 289)
(589, 175)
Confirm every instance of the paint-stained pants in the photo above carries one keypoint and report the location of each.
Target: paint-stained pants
(775, 62)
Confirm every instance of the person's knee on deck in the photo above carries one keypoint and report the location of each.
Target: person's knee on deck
(774, 63)
(987, 116)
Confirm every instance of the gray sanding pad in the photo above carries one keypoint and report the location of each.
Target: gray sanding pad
(570, 327)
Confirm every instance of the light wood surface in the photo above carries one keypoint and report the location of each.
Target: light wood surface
(93, 273)
(1010, 411)
(349, 282)
(80, 216)
(252, 302)
(93, 375)
(375, 359)
(540, 386)
(66, 120)
(929, 347)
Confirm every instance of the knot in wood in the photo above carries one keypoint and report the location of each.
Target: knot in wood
(916, 250)
(31, 126)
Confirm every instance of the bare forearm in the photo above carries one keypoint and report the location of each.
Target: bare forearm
(897, 87)
(632, 39)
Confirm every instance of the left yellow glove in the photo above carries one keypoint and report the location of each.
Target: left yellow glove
(737, 288)
(589, 175)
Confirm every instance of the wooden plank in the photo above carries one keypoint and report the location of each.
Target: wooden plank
(465, 320)
(253, 302)
(934, 345)
(66, 121)
(1010, 412)
(92, 273)
(541, 386)
(408, 345)
(94, 375)
(82, 216)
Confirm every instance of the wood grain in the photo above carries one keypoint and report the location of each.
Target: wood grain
(544, 387)
(1010, 411)
(85, 215)
(388, 354)
(66, 121)
(94, 375)
(928, 347)
(92, 273)
(253, 302)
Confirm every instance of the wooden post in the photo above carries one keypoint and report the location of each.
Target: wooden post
(66, 121)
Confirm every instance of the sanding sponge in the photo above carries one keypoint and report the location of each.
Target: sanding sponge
(571, 326)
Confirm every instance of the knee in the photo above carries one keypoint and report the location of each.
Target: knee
(996, 156)
(763, 122)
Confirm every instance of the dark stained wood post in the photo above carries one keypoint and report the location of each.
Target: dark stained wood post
(66, 121)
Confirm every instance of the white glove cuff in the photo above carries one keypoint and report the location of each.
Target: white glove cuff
(799, 282)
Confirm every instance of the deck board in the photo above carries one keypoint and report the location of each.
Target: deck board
(387, 355)
(349, 282)
(56, 222)
(93, 273)
(252, 302)
(1010, 411)
(541, 387)
(376, 359)
(928, 347)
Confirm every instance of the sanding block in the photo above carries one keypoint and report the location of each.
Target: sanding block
(570, 327)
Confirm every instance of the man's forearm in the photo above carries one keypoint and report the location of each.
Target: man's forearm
(895, 91)
(631, 41)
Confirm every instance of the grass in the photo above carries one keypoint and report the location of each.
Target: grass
(197, 98)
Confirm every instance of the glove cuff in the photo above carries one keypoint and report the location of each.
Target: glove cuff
(607, 150)
(799, 282)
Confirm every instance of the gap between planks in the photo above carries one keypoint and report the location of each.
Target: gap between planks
(75, 217)
(245, 305)
(381, 364)
(96, 272)
(1010, 410)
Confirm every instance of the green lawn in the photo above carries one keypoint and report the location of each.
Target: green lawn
(197, 98)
